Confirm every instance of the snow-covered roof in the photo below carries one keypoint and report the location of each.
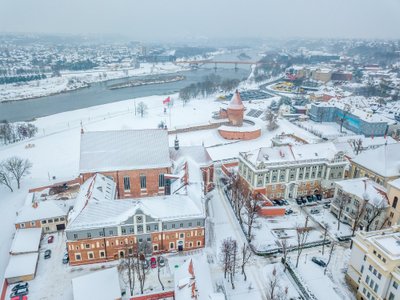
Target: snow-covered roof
(26, 240)
(21, 265)
(198, 153)
(384, 160)
(113, 212)
(194, 278)
(395, 183)
(268, 155)
(390, 244)
(99, 285)
(236, 101)
(366, 189)
(39, 210)
(103, 151)
(96, 188)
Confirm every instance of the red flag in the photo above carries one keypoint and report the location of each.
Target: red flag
(167, 100)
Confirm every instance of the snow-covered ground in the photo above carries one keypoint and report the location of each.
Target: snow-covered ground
(328, 130)
(72, 80)
(331, 286)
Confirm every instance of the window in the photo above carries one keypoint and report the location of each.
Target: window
(78, 256)
(90, 255)
(123, 231)
(181, 225)
(22, 225)
(142, 181)
(190, 224)
(391, 296)
(111, 232)
(56, 219)
(362, 269)
(127, 183)
(101, 233)
(62, 219)
(102, 254)
(173, 225)
(376, 288)
(140, 228)
(395, 285)
(50, 221)
(148, 228)
(156, 227)
(394, 204)
(370, 268)
(161, 180)
(75, 235)
(379, 275)
(89, 235)
(44, 221)
(198, 223)
(198, 243)
(367, 279)
(181, 235)
(171, 245)
(87, 246)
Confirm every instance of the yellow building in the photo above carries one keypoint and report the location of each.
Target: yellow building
(374, 266)
(393, 194)
(381, 164)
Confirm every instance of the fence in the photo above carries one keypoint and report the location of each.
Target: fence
(307, 294)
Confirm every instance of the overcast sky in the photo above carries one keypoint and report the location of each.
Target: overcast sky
(176, 19)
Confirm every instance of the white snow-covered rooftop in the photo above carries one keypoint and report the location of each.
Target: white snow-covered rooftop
(295, 153)
(384, 160)
(21, 265)
(26, 240)
(390, 244)
(103, 151)
(99, 285)
(366, 189)
(395, 183)
(198, 153)
(194, 277)
(39, 210)
(114, 212)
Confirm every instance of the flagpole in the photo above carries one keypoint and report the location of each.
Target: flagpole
(170, 106)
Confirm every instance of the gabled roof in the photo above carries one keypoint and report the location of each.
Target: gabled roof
(26, 240)
(103, 151)
(33, 211)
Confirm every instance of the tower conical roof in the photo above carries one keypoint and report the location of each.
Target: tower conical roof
(236, 101)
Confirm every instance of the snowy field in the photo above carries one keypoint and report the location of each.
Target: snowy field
(329, 130)
(72, 80)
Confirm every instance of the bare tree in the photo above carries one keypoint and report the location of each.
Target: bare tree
(127, 265)
(141, 271)
(271, 119)
(302, 235)
(246, 254)
(18, 168)
(340, 202)
(158, 273)
(5, 177)
(285, 250)
(228, 257)
(141, 108)
(326, 228)
(373, 212)
(251, 208)
(274, 290)
(330, 256)
(357, 146)
(344, 113)
(238, 197)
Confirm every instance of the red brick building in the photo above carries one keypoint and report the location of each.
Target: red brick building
(101, 228)
(137, 160)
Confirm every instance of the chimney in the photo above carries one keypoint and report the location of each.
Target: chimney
(35, 204)
(176, 145)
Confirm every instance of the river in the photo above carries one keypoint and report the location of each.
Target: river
(98, 93)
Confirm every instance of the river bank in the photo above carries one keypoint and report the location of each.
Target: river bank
(146, 81)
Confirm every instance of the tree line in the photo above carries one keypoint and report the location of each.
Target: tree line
(14, 132)
(21, 78)
(208, 86)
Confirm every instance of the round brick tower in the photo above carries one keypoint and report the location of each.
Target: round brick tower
(236, 110)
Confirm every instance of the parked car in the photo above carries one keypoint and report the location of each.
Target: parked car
(65, 259)
(275, 202)
(280, 202)
(19, 286)
(153, 262)
(50, 239)
(298, 201)
(326, 205)
(319, 197)
(47, 254)
(314, 211)
(145, 263)
(20, 292)
(309, 199)
(303, 200)
(161, 261)
(20, 298)
(288, 211)
(319, 261)
(285, 202)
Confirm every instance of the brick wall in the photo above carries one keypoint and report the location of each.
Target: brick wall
(152, 188)
(33, 224)
(155, 296)
(238, 135)
(235, 116)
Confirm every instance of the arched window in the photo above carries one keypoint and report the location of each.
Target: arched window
(394, 204)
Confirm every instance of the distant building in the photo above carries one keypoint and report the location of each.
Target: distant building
(355, 120)
(394, 205)
(374, 264)
(342, 76)
(323, 75)
(292, 171)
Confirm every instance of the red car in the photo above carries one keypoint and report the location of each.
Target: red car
(20, 298)
(50, 239)
(153, 262)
